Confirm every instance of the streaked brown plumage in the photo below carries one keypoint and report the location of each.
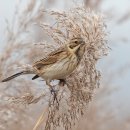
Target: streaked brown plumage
(58, 64)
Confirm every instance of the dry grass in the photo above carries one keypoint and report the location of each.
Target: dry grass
(16, 94)
(74, 97)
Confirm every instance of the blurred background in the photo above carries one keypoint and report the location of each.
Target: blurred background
(110, 107)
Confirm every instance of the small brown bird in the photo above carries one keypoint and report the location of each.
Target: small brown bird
(58, 64)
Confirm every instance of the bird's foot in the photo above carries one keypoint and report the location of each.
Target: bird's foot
(54, 93)
(62, 82)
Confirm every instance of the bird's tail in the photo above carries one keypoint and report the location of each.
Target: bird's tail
(16, 75)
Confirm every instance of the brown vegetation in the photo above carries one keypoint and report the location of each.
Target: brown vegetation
(75, 96)
(31, 36)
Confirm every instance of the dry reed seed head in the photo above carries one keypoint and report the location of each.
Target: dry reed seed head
(26, 99)
(78, 22)
(74, 98)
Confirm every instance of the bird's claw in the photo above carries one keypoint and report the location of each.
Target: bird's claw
(54, 93)
(62, 82)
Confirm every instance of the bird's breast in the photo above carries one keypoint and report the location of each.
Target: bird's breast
(61, 68)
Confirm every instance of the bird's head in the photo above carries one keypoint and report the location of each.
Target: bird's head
(76, 42)
(76, 45)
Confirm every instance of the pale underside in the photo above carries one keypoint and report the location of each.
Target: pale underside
(57, 65)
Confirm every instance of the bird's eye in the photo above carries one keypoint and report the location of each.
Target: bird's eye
(76, 42)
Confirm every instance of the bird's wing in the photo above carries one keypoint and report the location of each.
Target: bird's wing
(50, 59)
(35, 77)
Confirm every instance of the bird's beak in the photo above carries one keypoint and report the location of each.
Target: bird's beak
(83, 42)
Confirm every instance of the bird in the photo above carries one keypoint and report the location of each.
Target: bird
(58, 64)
